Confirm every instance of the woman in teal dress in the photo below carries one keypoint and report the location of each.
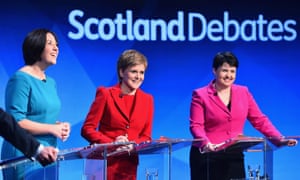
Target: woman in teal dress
(31, 98)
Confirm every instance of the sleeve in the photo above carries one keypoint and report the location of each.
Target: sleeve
(18, 137)
(17, 97)
(259, 120)
(197, 118)
(90, 126)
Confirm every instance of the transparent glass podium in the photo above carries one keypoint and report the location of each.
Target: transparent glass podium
(160, 154)
(263, 145)
(74, 158)
(162, 148)
(97, 155)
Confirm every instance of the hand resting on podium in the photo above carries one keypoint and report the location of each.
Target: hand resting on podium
(124, 139)
(284, 142)
(277, 141)
(209, 147)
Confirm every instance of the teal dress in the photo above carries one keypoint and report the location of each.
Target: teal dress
(30, 98)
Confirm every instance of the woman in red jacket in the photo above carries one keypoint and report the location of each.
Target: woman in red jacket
(122, 113)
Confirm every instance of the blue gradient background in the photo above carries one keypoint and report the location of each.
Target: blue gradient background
(269, 69)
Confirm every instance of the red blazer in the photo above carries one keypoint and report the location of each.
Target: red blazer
(108, 118)
(211, 120)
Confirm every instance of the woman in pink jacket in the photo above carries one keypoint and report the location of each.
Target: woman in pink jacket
(122, 113)
(218, 112)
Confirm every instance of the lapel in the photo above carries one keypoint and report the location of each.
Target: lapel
(119, 102)
(216, 99)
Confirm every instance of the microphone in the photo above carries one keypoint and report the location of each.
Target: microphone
(120, 95)
(44, 80)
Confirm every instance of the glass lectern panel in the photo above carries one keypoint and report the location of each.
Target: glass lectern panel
(155, 158)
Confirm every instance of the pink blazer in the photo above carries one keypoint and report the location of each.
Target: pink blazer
(211, 120)
(108, 118)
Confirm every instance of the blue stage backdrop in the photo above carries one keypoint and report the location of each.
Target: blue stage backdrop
(180, 39)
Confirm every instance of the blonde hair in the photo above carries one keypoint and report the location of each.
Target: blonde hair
(130, 58)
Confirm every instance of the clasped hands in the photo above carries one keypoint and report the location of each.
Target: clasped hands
(124, 139)
(209, 147)
(63, 130)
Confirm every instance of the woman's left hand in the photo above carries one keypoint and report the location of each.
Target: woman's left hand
(288, 142)
(65, 130)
